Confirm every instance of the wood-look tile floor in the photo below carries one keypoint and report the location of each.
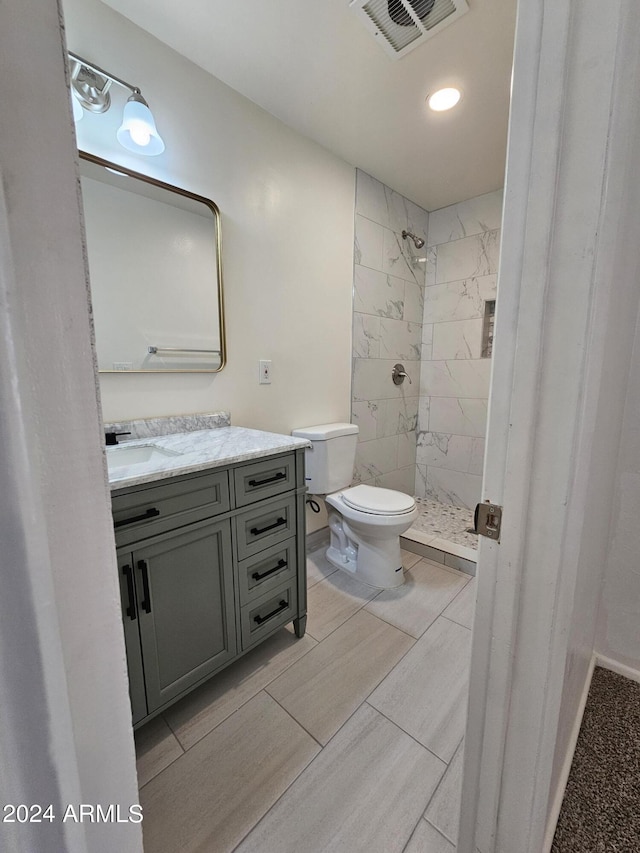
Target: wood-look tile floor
(349, 739)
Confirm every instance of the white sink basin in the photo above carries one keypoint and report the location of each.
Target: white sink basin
(121, 456)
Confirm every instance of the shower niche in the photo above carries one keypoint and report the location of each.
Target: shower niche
(488, 323)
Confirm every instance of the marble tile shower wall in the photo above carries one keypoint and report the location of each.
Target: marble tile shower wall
(387, 329)
(462, 265)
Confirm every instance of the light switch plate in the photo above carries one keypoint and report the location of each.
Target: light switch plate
(264, 377)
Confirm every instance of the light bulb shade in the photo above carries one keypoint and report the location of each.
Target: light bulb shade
(138, 131)
(76, 106)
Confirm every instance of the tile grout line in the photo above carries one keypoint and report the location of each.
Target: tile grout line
(177, 758)
(446, 568)
(296, 721)
(412, 636)
(362, 606)
(457, 239)
(400, 659)
(317, 643)
(293, 780)
(349, 718)
(413, 832)
(399, 277)
(454, 622)
(253, 696)
(455, 846)
(364, 701)
(391, 625)
(438, 785)
(420, 323)
(268, 684)
(435, 828)
(359, 707)
(173, 761)
(414, 739)
(277, 800)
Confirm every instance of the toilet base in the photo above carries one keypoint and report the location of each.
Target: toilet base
(377, 563)
(340, 561)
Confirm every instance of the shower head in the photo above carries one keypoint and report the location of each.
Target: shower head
(418, 242)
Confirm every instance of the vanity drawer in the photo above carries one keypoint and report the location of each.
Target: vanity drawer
(264, 479)
(267, 613)
(153, 509)
(267, 524)
(266, 571)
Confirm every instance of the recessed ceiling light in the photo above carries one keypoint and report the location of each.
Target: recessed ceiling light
(444, 99)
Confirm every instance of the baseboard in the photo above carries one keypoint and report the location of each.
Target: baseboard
(556, 805)
(619, 668)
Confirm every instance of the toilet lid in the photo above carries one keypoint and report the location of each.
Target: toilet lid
(379, 501)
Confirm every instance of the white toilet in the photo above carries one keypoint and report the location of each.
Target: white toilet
(365, 521)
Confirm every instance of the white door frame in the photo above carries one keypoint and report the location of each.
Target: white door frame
(65, 720)
(539, 447)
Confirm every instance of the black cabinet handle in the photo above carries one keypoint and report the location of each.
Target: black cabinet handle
(258, 577)
(146, 602)
(282, 605)
(127, 571)
(150, 513)
(279, 476)
(256, 531)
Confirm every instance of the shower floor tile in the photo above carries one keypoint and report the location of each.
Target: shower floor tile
(443, 522)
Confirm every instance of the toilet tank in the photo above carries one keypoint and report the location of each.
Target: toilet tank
(330, 460)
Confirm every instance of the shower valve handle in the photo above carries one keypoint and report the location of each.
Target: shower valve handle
(398, 374)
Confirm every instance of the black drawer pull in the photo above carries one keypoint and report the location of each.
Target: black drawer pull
(146, 603)
(150, 513)
(258, 577)
(279, 476)
(282, 605)
(127, 571)
(256, 531)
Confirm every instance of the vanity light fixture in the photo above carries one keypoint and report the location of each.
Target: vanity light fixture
(78, 112)
(90, 91)
(444, 99)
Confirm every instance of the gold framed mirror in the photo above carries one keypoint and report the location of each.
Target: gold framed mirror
(155, 268)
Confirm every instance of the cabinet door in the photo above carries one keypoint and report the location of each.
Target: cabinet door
(132, 636)
(184, 585)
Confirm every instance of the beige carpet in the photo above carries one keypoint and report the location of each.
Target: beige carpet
(601, 807)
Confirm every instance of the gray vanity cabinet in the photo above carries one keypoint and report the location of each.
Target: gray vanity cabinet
(184, 592)
(210, 565)
(128, 600)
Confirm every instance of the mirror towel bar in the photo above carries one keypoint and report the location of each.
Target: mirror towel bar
(165, 287)
(154, 350)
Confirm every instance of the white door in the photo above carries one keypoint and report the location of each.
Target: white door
(562, 318)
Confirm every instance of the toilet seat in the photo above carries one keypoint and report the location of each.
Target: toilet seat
(377, 501)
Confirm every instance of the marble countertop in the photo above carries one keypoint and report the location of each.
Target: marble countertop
(199, 451)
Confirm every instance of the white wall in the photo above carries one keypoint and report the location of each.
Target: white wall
(462, 266)
(619, 616)
(388, 295)
(287, 231)
(65, 725)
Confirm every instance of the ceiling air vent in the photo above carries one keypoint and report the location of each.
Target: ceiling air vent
(401, 25)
